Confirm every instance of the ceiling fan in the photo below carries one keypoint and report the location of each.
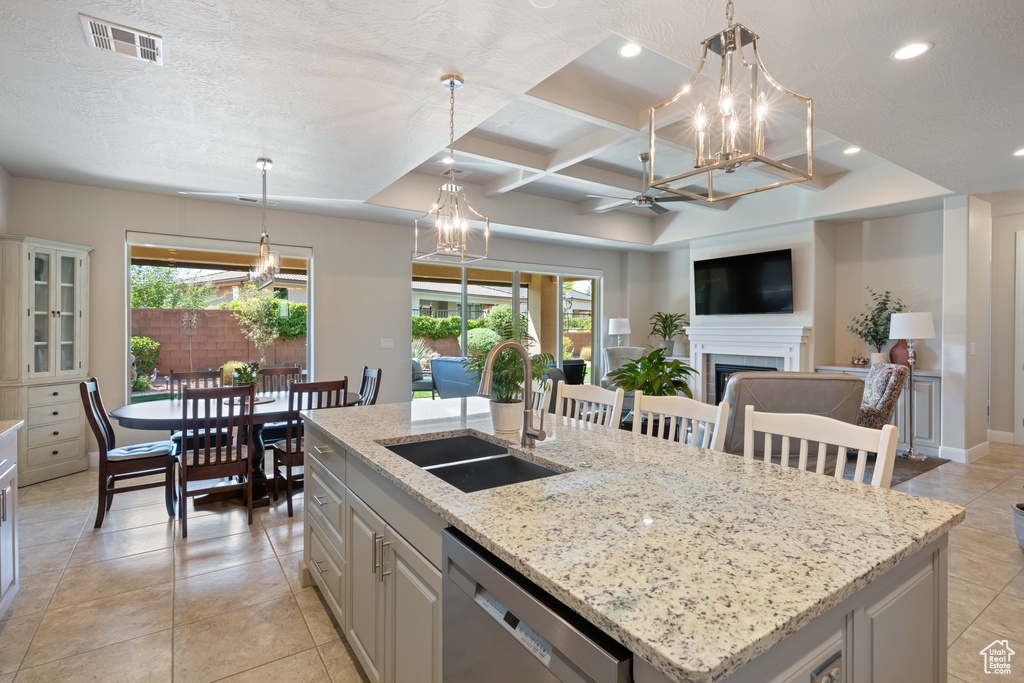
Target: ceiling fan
(643, 199)
(272, 200)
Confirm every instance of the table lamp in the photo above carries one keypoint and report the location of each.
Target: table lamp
(911, 326)
(618, 327)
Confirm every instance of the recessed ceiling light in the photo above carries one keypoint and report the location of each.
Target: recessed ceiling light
(629, 50)
(911, 51)
(1019, 152)
(851, 150)
(447, 160)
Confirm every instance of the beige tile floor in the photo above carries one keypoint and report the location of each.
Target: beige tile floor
(132, 601)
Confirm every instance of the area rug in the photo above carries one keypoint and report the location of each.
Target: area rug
(903, 470)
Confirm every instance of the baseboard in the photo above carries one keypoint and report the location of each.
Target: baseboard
(976, 452)
(94, 458)
(1000, 437)
(954, 454)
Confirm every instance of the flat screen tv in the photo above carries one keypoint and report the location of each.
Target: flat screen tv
(749, 283)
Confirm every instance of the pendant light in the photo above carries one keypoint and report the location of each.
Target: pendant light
(729, 126)
(447, 228)
(268, 263)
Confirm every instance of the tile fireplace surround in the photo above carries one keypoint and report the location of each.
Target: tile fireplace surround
(785, 348)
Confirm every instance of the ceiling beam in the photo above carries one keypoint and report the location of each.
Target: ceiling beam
(509, 181)
(487, 150)
(586, 147)
(598, 205)
(585, 107)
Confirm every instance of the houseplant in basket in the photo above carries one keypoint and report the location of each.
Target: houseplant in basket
(667, 326)
(873, 325)
(507, 389)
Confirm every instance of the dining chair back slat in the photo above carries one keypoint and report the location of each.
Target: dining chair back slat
(587, 403)
(197, 379)
(699, 424)
(274, 380)
(826, 432)
(369, 387)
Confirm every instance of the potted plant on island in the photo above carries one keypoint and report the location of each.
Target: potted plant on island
(873, 325)
(507, 386)
(667, 326)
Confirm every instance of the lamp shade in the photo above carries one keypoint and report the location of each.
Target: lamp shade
(618, 326)
(911, 326)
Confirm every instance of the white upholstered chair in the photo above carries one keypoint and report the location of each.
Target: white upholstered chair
(700, 424)
(587, 403)
(827, 432)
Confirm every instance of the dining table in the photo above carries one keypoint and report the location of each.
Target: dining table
(165, 415)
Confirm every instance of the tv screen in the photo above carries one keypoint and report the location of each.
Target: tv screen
(749, 283)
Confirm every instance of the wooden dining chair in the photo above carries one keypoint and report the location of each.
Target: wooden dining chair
(369, 387)
(681, 419)
(275, 380)
(587, 403)
(288, 453)
(209, 465)
(127, 462)
(198, 379)
(826, 432)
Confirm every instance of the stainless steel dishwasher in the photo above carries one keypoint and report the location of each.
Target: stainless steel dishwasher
(498, 627)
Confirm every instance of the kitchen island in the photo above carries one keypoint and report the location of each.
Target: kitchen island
(704, 566)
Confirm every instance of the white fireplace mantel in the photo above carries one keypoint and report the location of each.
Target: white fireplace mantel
(791, 344)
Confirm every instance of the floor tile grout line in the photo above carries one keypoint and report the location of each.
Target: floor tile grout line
(83, 652)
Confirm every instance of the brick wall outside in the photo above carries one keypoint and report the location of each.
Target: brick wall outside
(450, 347)
(215, 340)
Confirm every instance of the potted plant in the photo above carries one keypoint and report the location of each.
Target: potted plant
(667, 326)
(507, 389)
(654, 375)
(246, 373)
(873, 325)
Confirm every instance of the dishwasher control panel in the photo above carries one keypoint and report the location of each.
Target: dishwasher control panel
(520, 630)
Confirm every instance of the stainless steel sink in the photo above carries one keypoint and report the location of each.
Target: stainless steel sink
(471, 464)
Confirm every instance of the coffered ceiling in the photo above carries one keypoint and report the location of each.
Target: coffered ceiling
(345, 98)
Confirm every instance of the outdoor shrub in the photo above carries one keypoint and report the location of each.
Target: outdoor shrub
(293, 325)
(481, 340)
(227, 371)
(140, 383)
(566, 348)
(587, 354)
(257, 312)
(423, 353)
(147, 354)
(436, 328)
(499, 317)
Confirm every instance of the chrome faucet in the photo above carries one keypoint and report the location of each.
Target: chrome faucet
(530, 435)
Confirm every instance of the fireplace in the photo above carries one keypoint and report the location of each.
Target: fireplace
(723, 371)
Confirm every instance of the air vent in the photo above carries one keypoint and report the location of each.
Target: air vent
(255, 200)
(126, 41)
(459, 172)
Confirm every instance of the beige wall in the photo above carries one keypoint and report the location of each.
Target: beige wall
(902, 254)
(5, 200)
(1004, 246)
(361, 272)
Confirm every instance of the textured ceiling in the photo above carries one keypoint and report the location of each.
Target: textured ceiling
(344, 96)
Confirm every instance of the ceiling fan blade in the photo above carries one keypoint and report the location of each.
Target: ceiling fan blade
(270, 197)
(612, 207)
(657, 209)
(608, 196)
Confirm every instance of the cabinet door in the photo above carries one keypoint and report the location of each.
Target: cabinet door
(365, 595)
(413, 624)
(67, 313)
(42, 312)
(8, 533)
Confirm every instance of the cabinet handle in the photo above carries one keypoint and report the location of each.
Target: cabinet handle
(373, 553)
(3, 505)
(321, 451)
(382, 546)
(320, 500)
(318, 567)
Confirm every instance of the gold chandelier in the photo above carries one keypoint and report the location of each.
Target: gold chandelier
(451, 217)
(728, 133)
(268, 263)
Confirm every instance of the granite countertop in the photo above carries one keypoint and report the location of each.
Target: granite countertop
(695, 560)
(9, 426)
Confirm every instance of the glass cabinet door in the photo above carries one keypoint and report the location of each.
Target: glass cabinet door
(42, 313)
(67, 295)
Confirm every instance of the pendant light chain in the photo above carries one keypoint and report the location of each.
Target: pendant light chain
(451, 131)
(729, 12)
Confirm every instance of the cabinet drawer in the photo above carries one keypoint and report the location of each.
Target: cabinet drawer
(41, 456)
(58, 412)
(327, 568)
(58, 431)
(327, 501)
(58, 393)
(330, 454)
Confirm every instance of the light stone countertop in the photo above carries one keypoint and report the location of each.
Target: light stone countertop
(695, 560)
(9, 426)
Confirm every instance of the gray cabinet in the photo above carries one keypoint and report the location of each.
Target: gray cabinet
(8, 518)
(412, 644)
(365, 607)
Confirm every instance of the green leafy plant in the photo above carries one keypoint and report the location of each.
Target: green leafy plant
(147, 354)
(293, 325)
(498, 317)
(481, 340)
(227, 371)
(567, 348)
(257, 312)
(667, 325)
(246, 374)
(422, 352)
(873, 325)
(141, 383)
(655, 375)
(508, 366)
